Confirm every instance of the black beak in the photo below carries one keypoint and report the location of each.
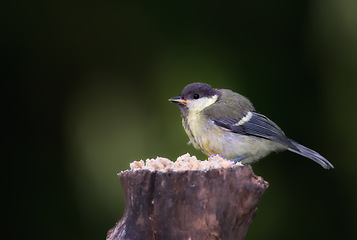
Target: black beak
(178, 100)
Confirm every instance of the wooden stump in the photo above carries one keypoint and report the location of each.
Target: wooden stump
(211, 204)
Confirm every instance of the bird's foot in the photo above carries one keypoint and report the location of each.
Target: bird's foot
(239, 159)
(215, 154)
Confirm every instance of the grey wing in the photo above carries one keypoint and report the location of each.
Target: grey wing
(255, 124)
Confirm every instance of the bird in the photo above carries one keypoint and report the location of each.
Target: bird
(223, 122)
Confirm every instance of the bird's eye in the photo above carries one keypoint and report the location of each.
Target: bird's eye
(196, 96)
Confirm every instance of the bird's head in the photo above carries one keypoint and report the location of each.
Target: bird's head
(195, 97)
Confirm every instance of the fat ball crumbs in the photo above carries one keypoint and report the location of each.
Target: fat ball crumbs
(183, 163)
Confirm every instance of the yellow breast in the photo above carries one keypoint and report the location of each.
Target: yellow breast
(199, 131)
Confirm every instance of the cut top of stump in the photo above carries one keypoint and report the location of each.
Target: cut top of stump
(183, 163)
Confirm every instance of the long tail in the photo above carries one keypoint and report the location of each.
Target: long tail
(309, 153)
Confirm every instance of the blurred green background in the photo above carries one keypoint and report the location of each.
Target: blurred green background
(87, 83)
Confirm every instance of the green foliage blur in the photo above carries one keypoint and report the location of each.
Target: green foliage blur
(87, 84)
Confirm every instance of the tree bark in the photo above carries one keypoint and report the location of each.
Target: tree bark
(213, 204)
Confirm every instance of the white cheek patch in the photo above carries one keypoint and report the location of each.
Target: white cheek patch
(198, 105)
(244, 119)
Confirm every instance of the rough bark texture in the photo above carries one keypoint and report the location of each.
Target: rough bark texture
(212, 204)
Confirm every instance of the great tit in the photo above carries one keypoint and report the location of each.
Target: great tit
(220, 121)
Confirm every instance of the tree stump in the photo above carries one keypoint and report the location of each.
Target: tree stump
(192, 204)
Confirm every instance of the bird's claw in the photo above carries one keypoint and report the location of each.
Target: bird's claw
(215, 154)
(239, 159)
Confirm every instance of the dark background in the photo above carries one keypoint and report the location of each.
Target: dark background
(87, 83)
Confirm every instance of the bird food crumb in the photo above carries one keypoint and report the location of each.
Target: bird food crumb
(183, 163)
